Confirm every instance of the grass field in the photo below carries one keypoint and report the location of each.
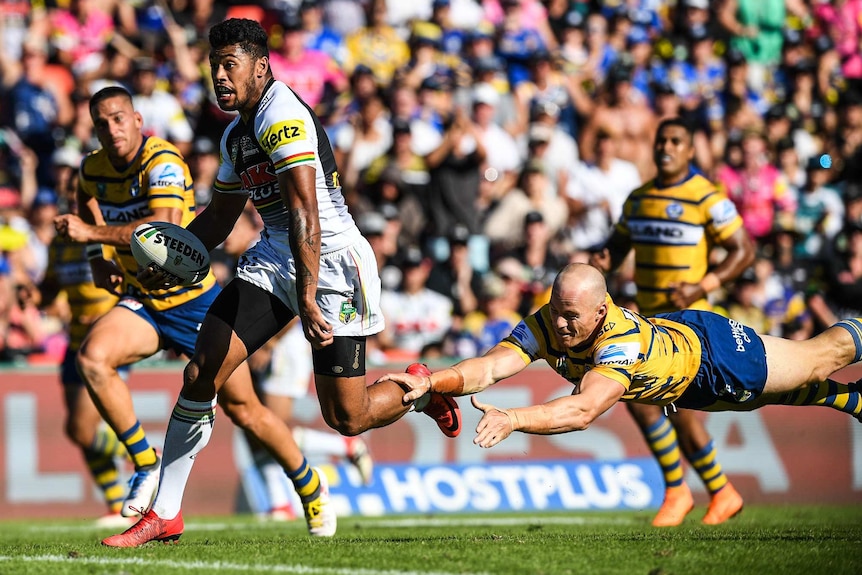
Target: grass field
(763, 540)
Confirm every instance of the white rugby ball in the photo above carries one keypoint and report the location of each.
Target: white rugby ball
(172, 249)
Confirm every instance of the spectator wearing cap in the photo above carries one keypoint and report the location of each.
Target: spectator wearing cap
(310, 73)
(596, 195)
(427, 60)
(318, 35)
(757, 28)
(377, 45)
(492, 322)
(541, 255)
(504, 223)
(383, 238)
(415, 315)
(645, 68)
(65, 162)
(572, 51)
(757, 187)
(455, 277)
(163, 115)
(819, 210)
(699, 80)
(630, 122)
(453, 36)
(502, 162)
(600, 53)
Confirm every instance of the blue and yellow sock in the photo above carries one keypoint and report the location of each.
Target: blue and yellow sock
(306, 482)
(708, 467)
(841, 396)
(662, 441)
(139, 450)
(100, 461)
(854, 326)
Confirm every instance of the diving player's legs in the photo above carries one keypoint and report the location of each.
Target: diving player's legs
(122, 337)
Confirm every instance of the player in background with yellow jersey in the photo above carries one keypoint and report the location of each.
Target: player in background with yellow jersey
(131, 180)
(690, 358)
(68, 274)
(672, 223)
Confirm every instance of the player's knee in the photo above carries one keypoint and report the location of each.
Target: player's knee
(345, 424)
(92, 365)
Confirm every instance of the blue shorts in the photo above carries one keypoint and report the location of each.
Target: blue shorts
(177, 327)
(69, 370)
(733, 368)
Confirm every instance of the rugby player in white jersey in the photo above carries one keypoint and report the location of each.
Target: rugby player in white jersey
(311, 262)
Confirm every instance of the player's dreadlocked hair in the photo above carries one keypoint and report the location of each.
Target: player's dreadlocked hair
(247, 33)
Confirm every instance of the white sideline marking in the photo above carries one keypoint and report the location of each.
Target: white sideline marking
(379, 523)
(208, 565)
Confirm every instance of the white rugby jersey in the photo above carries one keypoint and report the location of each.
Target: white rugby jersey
(284, 134)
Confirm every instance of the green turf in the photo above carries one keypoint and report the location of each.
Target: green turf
(763, 540)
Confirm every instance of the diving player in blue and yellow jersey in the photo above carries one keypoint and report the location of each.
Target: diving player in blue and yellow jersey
(131, 180)
(690, 358)
(672, 223)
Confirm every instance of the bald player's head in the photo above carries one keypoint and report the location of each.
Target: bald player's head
(581, 281)
(578, 305)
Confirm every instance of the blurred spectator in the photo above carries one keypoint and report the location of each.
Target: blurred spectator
(504, 224)
(502, 163)
(376, 229)
(618, 113)
(541, 256)
(549, 142)
(744, 305)
(203, 165)
(312, 74)
(841, 296)
(842, 20)
(518, 39)
(820, 211)
(781, 122)
(454, 168)
(455, 277)
(162, 113)
(495, 319)
(596, 195)
(318, 35)
(365, 136)
(757, 31)
(415, 315)
(23, 332)
(80, 35)
(756, 187)
(377, 45)
(545, 85)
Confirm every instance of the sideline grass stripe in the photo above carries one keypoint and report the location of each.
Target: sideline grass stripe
(210, 565)
(378, 523)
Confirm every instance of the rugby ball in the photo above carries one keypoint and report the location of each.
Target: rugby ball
(171, 249)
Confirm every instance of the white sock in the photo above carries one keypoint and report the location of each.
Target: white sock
(189, 431)
(316, 442)
(276, 482)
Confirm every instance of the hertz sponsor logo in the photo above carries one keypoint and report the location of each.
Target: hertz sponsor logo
(282, 133)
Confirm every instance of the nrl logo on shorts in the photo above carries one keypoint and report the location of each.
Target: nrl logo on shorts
(347, 313)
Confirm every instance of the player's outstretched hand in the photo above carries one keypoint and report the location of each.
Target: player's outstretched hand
(494, 427)
(416, 385)
(153, 277)
(317, 330)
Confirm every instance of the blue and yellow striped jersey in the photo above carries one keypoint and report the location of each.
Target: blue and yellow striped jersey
(653, 359)
(69, 268)
(672, 229)
(158, 177)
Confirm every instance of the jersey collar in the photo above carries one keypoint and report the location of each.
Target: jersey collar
(692, 172)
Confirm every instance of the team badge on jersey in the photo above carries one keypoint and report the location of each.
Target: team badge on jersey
(134, 189)
(101, 189)
(348, 312)
(673, 211)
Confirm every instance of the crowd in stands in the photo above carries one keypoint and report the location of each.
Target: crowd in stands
(481, 144)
